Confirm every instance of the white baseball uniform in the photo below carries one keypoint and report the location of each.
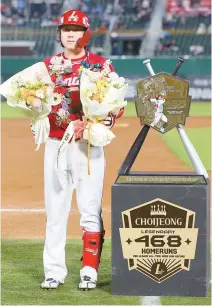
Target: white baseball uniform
(72, 172)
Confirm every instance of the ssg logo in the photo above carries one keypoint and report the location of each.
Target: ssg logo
(95, 252)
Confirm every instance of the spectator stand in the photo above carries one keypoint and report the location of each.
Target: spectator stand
(187, 29)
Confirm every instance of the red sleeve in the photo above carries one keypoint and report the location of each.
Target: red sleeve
(112, 68)
(47, 62)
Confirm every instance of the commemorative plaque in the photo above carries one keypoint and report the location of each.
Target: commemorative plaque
(163, 101)
(161, 221)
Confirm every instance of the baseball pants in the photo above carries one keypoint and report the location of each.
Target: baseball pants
(74, 171)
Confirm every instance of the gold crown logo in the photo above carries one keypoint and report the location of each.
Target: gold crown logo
(157, 210)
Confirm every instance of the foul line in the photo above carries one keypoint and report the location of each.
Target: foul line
(39, 210)
(150, 300)
(22, 210)
(121, 125)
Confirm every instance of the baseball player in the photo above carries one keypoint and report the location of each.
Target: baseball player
(74, 34)
(159, 115)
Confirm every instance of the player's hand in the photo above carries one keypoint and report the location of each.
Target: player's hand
(79, 127)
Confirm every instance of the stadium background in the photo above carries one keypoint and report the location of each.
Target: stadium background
(127, 31)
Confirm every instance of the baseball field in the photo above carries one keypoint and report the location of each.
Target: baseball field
(23, 214)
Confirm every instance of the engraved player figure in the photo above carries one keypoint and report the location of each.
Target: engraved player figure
(158, 101)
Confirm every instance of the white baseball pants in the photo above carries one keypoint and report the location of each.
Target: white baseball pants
(73, 170)
(158, 117)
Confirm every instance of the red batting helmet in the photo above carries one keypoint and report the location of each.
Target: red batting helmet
(77, 18)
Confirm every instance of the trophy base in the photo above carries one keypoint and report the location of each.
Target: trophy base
(160, 234)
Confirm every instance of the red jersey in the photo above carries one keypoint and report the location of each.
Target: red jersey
(66, 78)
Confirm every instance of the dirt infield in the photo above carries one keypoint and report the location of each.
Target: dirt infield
(22, 173)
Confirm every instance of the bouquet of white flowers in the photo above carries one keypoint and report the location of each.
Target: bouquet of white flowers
(31, 90)
(101, 92)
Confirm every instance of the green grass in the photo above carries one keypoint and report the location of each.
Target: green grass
(22, 273)
(201, 140)
(10, 112)
(197, 109)
(186, 301)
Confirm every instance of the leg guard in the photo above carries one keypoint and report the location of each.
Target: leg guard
(92, 248)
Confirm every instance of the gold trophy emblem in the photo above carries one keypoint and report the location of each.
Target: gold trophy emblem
(162, 101)
(158, 239)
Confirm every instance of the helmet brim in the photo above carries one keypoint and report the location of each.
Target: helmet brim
(82, 28)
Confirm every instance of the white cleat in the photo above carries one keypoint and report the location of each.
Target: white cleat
(88, 278)
(87, 283)
(50, 283)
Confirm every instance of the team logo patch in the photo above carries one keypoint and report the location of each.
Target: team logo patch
(158, 239)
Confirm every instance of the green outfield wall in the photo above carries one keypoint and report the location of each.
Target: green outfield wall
(11, 65)
(196, 70)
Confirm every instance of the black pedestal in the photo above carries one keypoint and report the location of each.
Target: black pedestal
(160, 235)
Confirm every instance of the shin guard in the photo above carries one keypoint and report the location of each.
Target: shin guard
(92, 249)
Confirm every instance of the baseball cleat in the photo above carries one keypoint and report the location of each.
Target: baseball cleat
(88, 278)
(87, 283)
(50, 283)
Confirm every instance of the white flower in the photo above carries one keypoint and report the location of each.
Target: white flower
(56, 68)
(22, 102)
(99, 135)
(49, 91)
(62, 113)
(56, 60)
(67, 63)
(40, 94)
(113, 75)
(36, 103)
(113, 99)
(119, 82)
(57, 98)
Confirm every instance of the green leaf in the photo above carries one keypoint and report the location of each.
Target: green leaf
(68, 70)
(59, 78)
(71, 110)
(67, 94)
(68, 100)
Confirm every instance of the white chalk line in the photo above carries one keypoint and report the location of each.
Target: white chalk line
(150, 300)
(121, 125)
(40, 210)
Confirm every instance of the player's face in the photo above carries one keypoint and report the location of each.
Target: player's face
(70, 34)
